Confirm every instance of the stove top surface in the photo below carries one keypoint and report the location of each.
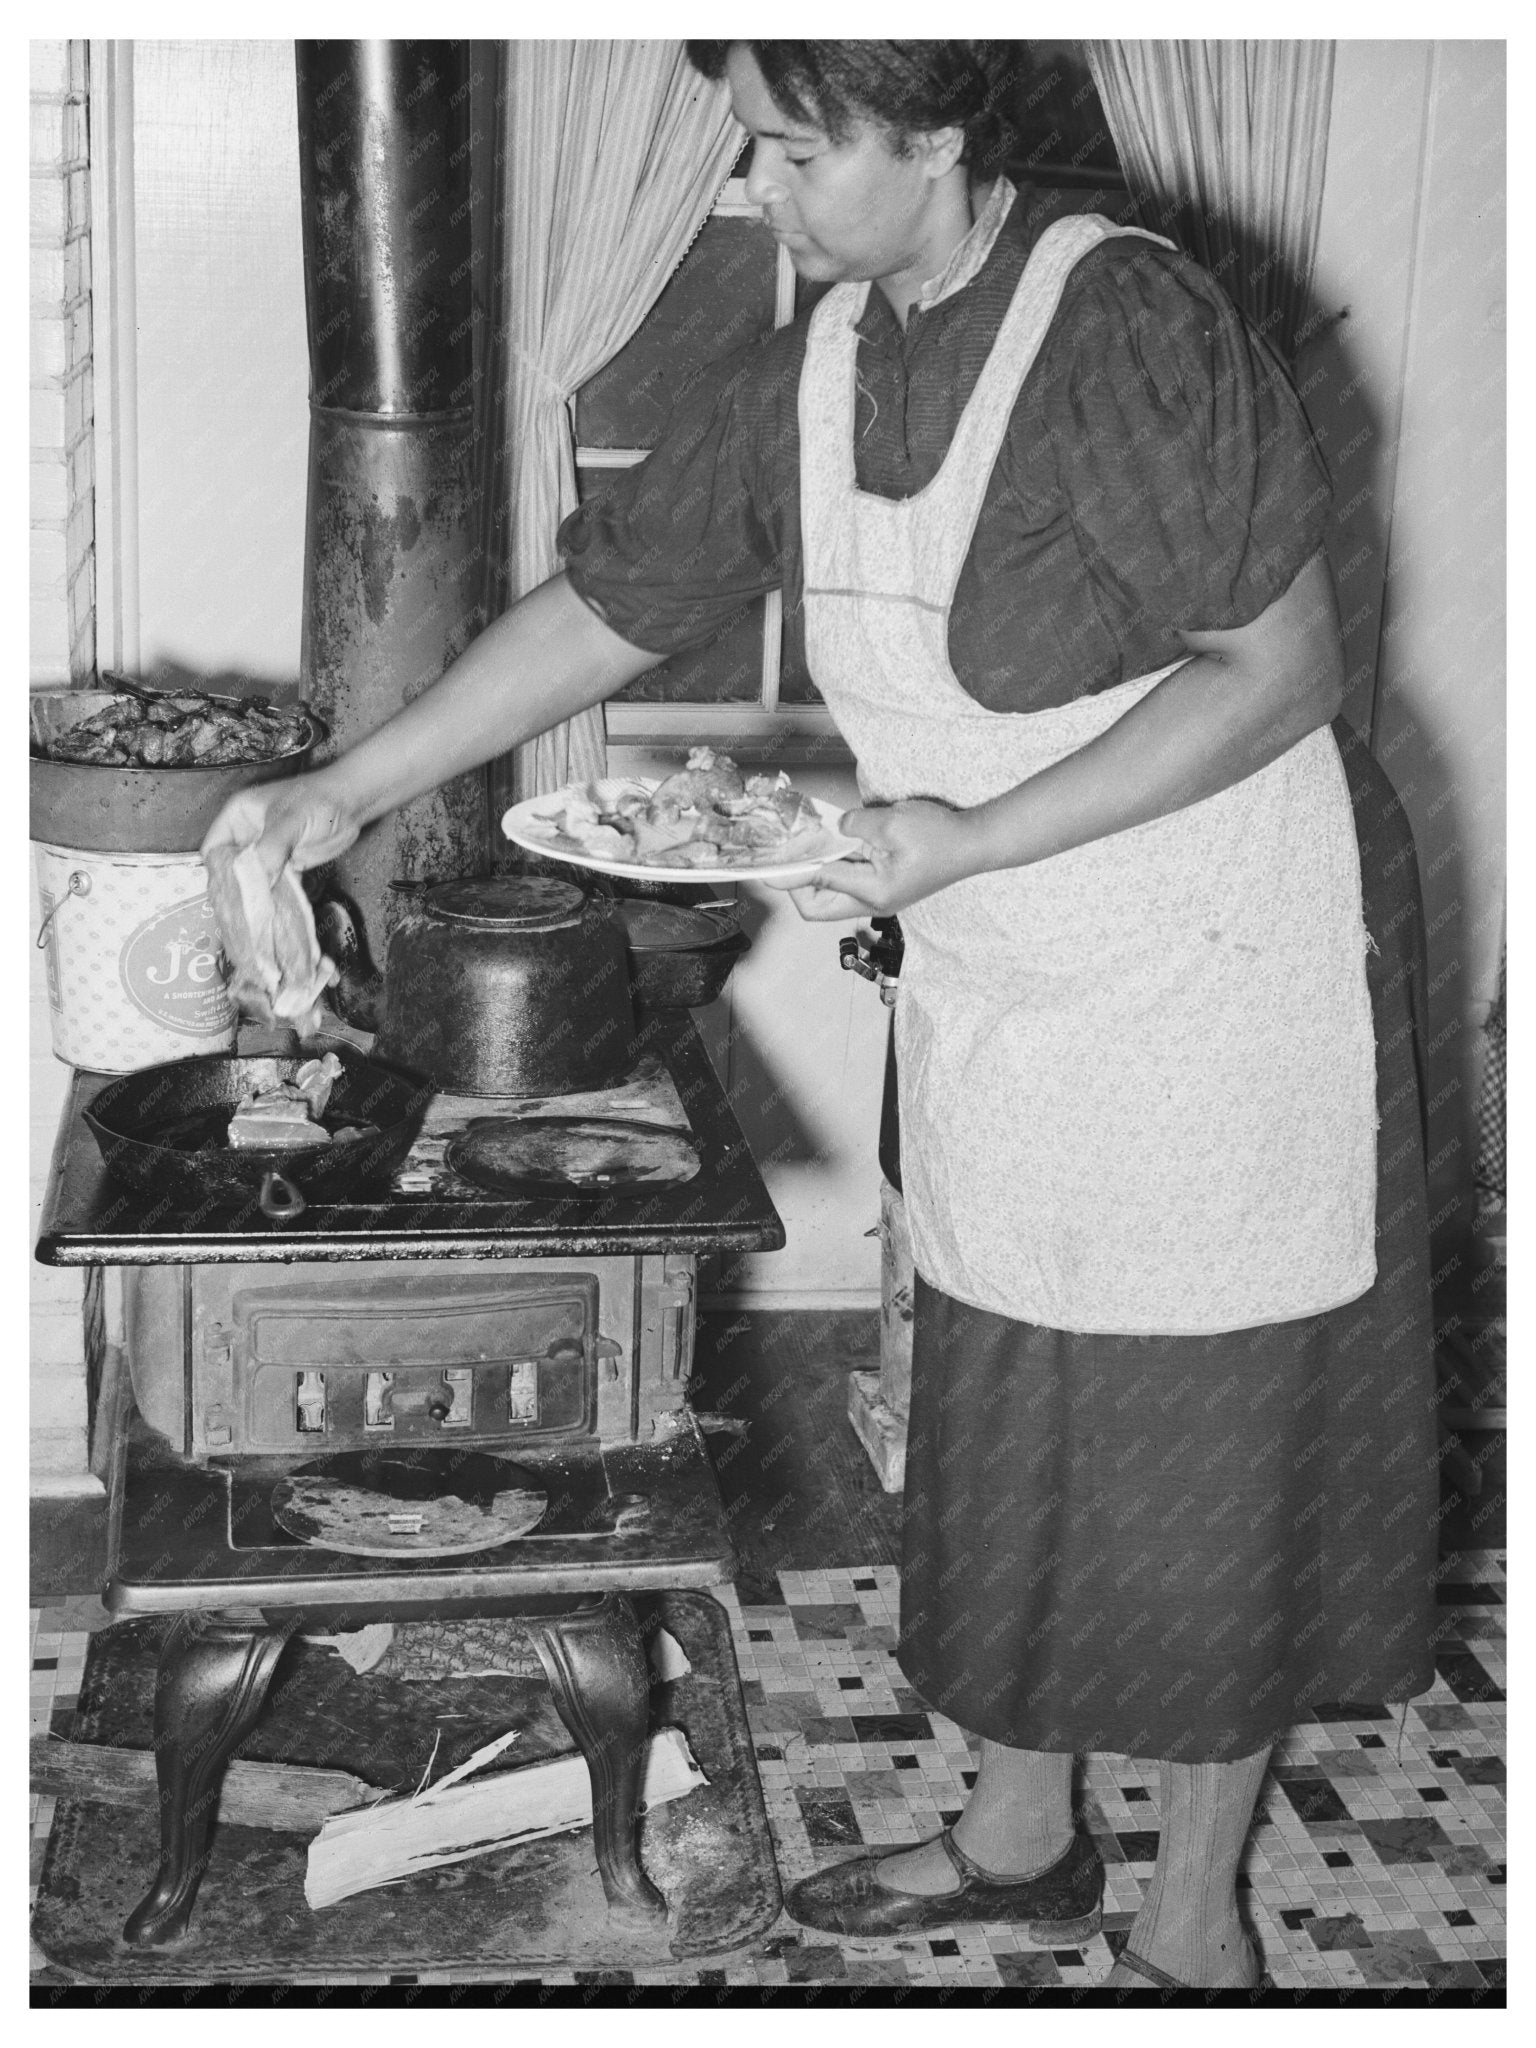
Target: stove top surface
(428, 1211)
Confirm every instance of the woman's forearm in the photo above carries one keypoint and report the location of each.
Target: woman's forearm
(1244, 699)
(1189, 738)
(547, 658)
(1247, 695)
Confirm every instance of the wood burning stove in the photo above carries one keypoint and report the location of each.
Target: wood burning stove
(423, 1338)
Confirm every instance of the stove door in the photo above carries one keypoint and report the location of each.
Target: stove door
(310, 1359)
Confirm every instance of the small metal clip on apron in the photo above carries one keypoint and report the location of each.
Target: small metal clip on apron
(1137, 1080)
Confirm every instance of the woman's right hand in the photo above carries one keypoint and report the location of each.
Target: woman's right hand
(299, 820)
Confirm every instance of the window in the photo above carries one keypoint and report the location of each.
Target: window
(1064, 138)
(734, 285)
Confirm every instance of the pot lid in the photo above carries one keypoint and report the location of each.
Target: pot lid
(521, 903)
(666, 927)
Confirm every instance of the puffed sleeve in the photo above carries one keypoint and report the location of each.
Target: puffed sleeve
(670, 550)
(1192, 478)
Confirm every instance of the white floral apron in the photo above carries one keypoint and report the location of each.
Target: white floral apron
(1137, 1080)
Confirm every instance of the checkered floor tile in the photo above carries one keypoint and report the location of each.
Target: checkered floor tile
(1377, 1859)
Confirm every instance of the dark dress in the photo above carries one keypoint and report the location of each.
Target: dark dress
(1167, 1546)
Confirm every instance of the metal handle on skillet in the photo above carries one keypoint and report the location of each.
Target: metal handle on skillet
(280, 1199)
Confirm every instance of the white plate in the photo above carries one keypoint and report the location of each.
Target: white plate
(530, 824)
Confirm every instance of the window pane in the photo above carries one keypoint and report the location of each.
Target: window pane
(728, 671)
(795, 685)
(720, 297)
(1063, 137)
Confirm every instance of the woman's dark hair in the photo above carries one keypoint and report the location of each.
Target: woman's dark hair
(908, 88)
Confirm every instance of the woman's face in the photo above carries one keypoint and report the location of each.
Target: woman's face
(851, 209)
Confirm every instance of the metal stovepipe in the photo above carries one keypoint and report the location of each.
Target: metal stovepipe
(391, 580)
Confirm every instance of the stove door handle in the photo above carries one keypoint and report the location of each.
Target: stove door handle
(280, 1199)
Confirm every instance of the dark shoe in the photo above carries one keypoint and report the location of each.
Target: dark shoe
(1164, 1982)
(1058, 1905)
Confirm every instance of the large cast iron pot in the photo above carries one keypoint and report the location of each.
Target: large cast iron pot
(509, 985)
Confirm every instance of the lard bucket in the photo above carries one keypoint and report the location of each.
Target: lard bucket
(134, 974)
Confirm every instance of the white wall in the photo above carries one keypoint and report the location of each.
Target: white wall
(223, 373)
(57, 1401)
(1408, 394)
(61, 650)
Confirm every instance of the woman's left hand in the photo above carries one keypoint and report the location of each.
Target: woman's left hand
(915, 848)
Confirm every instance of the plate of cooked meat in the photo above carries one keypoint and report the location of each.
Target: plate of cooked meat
(709, 822)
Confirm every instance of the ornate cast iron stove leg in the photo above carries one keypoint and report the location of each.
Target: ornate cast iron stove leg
(596, 1666)
(213, 1677)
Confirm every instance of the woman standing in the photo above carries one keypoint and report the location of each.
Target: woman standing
(1055, 521)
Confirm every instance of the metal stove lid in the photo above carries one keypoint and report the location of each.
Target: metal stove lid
(522, 903)
(570, 1155)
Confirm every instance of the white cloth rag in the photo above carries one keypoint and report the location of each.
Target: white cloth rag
(276, 970)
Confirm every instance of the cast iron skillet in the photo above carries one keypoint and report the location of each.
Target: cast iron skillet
(680, 957)
(163, 1130)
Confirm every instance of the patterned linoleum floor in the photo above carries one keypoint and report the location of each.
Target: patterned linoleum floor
(1378, 1860)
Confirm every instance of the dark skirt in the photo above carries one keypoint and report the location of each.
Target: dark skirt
(1178, 1547)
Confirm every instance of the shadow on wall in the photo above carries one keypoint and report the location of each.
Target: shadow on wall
(1358, 434)
(1359, 444)
(761, 1096)
(760, 1093)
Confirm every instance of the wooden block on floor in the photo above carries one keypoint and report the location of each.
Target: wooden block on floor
(879, 1429)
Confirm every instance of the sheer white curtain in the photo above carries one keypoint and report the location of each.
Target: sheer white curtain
(1224, 146)
(613, 153)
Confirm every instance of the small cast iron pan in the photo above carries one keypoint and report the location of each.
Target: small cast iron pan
(680, 957)
(164, 1131)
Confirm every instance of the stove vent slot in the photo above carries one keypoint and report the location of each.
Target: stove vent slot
(309, 1404)
(379, 1401)
(523, 1394)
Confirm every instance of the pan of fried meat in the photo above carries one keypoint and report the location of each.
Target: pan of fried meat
(138, 771)
(271, 1133)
